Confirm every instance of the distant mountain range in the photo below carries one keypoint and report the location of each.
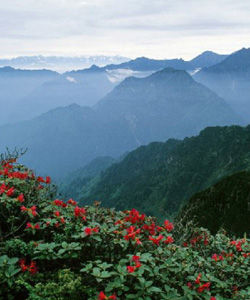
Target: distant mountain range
(230, 79)
(60, 63)
(160, 177)
(85, 87)
(223, 205)
(205, 59)
(25, 98)
(166, 104)
(16, 84)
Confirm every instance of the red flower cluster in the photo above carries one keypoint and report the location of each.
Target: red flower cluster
(199, 239)
(168, 226)
(157, 240)
(136, 260)
(131, 234)
(217, 257)
(20, 198)
(32, 226)
(71, 202)
(201, 287)
(89, 231)
(135, 217)
(32, 268)
(238, 244)
(8, 191)
(31, 211)
(58, 202)
(102, 296)
(80, 212)
(42, 180)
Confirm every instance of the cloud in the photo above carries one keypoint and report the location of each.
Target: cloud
(160, 28)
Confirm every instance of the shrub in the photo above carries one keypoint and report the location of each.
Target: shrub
(51, 249)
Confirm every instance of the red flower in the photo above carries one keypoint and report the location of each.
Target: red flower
(23, 208)
(157, 240)
(10, 192)
(201, 288)
(20, 198)
(189, 284)
(79, 211)
(168, 226)
(136, 258)
(102, 296)
(169, 240)
(57, 213)
(88, 231)
(32, 267)
(28, 225)
(130, 269)
(246, 254)
(48, 180)
(22, 265)
(72, 202)
(212, 298)
(37, 226)
(40, 179)
(95, 229)
(197, 281)
(34, 213)
(132, 232)
(57, 202)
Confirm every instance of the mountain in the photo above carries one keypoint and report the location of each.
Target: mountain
(207, 59)
(223, 205)
(230, 80)
(78, 87)
(74, 183)
(64, 138)
(167, 104)
(60, 63)
(25, 99)
(157, 179)
(16, 84)
(148, 64)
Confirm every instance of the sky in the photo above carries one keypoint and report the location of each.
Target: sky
(131, 28)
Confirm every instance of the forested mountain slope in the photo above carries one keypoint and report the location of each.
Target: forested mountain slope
(223, 205)
(160, 177)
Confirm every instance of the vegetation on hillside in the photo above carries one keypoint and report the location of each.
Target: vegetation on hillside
(157, 179)
(223, 205)
(74, 184)
(50, 249)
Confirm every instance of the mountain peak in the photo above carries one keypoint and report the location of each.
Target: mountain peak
(237, 61)
(7, 69)
(171, 73)
(207, 59)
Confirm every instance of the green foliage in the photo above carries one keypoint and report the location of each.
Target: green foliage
(223, 205)
(80, 252)
(157, 179)
(76, 182)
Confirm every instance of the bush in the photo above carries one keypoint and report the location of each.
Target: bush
(51, 249)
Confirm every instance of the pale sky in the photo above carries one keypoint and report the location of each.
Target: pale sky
(132, 28)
